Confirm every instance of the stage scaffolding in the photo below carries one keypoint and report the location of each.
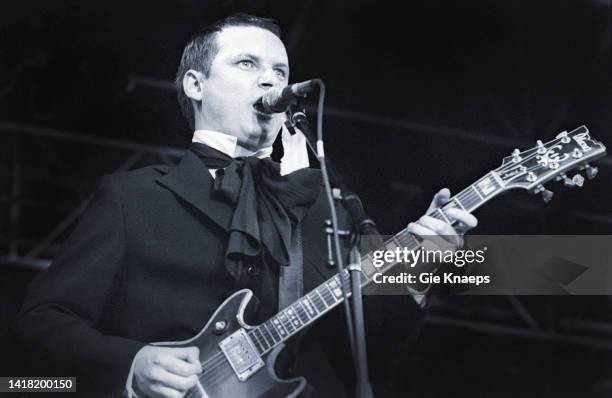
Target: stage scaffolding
(502, 315)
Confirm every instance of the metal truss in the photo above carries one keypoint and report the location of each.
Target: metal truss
(32, 254)
(511, 317)
(507, 316)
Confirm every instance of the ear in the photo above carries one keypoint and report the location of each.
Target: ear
(192, 84)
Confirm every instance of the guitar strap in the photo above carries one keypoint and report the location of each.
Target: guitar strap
(291, 278)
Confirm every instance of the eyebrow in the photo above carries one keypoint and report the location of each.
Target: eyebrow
(276, 65)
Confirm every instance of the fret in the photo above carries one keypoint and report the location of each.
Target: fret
(486, 186)
(293, 318)
(414, 242)
(468, 199)
(367, 263)
(299, 308)
(262, 339)
(450, 205)
(448, 221)
(258, 346)
(328, 297)
(256, 341)
(498, 179)
(456, 200)
(309, 307)
(478, 193)
(269, 339)
(347, 277)
(391, 245)
(435, 215)
(408, 240)
(273, 332)
(335, 288)
(337, 280)
(279, 327)
(403, 239)
(285, 322)
(317, 300)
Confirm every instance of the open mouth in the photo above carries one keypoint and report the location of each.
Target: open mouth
(259, 110)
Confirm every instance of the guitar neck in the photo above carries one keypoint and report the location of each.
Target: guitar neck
(328, 295)
(528, 169)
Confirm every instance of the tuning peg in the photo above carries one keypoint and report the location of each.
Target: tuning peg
(568, 182)
(516, 155)
(541, 147)
(531, 177)
(564, 137)
(590, 171)
(578, 180)
(546, 194)
(575, 181)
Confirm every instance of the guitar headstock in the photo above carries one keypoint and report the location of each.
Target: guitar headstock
(531, 168)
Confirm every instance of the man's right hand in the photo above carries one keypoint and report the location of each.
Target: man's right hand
(166, 372)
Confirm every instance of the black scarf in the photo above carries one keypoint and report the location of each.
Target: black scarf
(266, 205)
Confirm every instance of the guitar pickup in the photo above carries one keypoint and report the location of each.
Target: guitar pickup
(241, 354)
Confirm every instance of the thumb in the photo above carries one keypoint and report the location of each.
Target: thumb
(439, 199)
(189, 354)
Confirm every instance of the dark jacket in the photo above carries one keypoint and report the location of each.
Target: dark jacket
(144, 264)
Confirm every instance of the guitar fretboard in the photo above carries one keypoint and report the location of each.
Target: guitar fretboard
(328, 295)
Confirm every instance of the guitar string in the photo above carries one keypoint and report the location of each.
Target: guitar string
(215, 375)
(215, 359)
(211, 363)
(468, 198)
(470, 195)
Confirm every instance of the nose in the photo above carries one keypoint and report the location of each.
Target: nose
(268, 79)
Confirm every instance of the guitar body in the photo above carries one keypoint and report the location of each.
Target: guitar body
(218, 378)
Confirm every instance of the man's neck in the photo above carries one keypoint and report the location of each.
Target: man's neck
(227, 144)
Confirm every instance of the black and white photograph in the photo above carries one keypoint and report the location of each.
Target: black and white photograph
(266, 199)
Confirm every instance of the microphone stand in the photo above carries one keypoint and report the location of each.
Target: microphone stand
(361, 225)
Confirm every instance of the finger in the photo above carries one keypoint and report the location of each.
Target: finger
(439, 227)
(427, 234)
(439, 199)
(468, 220)
(162, 391)
(179, 366)
(452, 239)
(175, 382)
(189, 354)
(461, 228)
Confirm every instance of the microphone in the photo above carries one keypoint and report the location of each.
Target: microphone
(278, 100)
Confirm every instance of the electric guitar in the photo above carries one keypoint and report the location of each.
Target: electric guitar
(238, 359)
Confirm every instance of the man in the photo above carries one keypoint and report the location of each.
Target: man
(160, 248)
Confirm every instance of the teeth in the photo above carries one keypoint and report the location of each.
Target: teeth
(258, 106)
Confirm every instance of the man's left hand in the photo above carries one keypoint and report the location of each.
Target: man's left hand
(439, 233)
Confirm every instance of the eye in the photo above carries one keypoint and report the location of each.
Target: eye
(246, 64)
(281, 73)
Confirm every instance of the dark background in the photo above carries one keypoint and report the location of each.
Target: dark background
(420, 96)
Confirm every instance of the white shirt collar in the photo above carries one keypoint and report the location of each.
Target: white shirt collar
(225, 143)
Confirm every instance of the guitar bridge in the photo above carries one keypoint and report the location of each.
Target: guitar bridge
(241, 354)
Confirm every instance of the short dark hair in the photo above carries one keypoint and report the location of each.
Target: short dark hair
(202, 49)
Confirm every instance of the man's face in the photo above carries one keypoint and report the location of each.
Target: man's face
(250, 61)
